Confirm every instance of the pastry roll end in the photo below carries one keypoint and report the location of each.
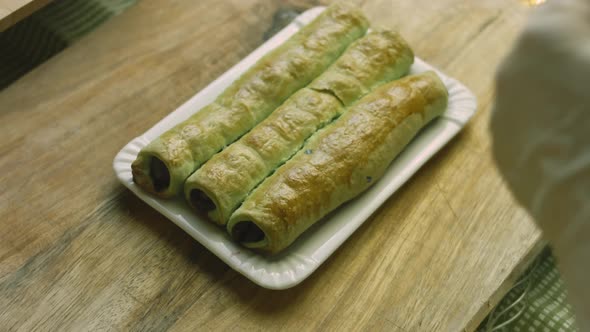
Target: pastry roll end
(159, 174)
(243, 229)
(264, 229)
(203, 200)
(249, 234)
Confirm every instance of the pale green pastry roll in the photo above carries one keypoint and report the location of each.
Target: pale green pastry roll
(163, 165)
(337, 163)
(223, 182)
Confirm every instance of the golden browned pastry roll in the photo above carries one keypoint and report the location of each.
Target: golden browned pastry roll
(163, 165)
(337, 163)
(222, 183)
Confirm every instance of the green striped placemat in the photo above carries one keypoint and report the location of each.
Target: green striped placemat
(536, 303)
(48, 31)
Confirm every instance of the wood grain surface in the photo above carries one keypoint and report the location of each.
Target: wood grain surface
(12, 11)
(80, 252)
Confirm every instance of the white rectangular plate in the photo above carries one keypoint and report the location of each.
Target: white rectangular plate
(303, 257)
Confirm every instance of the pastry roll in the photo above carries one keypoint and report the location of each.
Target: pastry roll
(337, 163)
(163, 165)
(222, 183)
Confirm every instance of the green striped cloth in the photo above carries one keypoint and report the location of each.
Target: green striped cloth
(536, 303)
(48, 31)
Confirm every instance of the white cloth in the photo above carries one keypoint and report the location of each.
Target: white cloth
(540, 128)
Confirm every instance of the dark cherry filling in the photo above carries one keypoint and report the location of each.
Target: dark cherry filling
(247, 231)
(159, 174)
(201, 201)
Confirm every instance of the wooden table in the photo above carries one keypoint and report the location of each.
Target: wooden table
(12, 11)
(78, 250)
